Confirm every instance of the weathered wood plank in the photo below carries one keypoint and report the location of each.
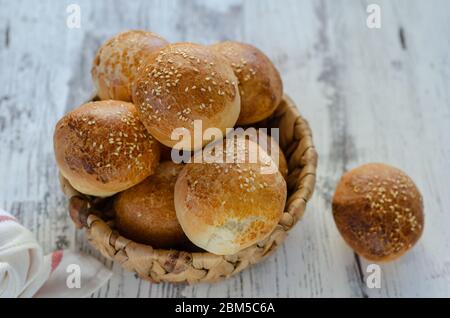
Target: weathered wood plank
(369, 95)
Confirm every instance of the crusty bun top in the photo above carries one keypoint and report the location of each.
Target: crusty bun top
(118, 60)
(184, 82)
(145, 213)
(260, 83)
(226, 207)
(102, 148)
(379, 211)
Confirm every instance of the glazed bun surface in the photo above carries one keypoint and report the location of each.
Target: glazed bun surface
(146, 214)
(273, 149)
(260, 84)
(226, 207)
(102, 148)
(283, 165)
(118, 60)
(379, 211)
(181, 83)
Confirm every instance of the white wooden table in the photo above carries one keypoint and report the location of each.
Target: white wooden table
(369, 95)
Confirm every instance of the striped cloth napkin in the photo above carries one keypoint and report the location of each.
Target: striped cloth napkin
(26, 272)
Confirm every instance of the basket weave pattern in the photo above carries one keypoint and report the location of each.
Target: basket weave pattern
(158, 265)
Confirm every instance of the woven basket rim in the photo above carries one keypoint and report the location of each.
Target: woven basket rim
(172, 265)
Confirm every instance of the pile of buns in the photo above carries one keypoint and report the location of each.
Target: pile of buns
(119, 146)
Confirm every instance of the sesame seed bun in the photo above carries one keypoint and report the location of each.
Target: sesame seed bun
(226, 207)
(283, 165)
(118, 60)
(274, 150)
(146, 214)
(102, 148)
(260, 84)
(181, 83)
(379, 211)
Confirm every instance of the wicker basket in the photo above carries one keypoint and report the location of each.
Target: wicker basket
(175, 266)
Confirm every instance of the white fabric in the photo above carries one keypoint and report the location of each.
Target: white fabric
(26, 272)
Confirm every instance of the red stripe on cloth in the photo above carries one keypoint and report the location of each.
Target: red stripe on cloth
(56, 259)
(4, 218)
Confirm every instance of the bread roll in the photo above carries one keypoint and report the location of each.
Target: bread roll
(118, 60)
(283, 165)
(145, 213)
(260, 83)
(226, 207)
(102, 148)
(181, 83)
(379, 211)
(274, 150)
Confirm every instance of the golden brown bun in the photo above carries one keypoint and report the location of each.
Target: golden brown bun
(118, 60)
(145, 213)
(226, 207)
(260, 84)
(166, 153)
(379, 211)
(184, 82)
(102, 148)
(273, 148)
(282, 165)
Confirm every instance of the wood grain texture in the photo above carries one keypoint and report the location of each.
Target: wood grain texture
(369, 95)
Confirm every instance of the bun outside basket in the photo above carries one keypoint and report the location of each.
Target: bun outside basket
(159, 265)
